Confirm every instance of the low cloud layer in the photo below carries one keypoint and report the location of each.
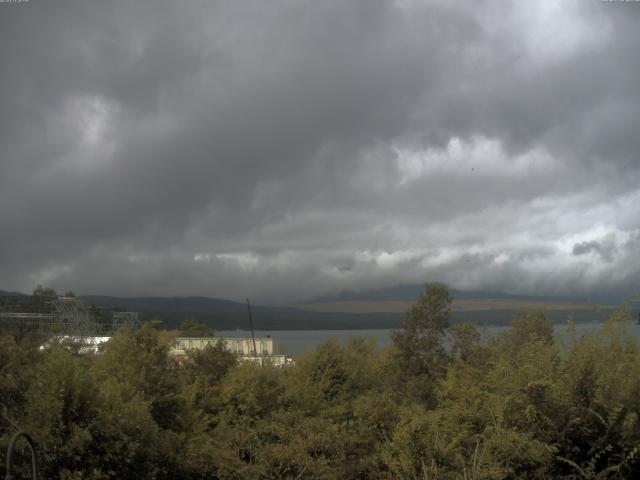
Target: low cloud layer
(282, 150)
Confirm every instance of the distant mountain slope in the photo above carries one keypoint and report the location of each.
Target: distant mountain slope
(4, 293)
(458, 305)
(228, 315)
(362, 314)
(372, 309)
(409, 292)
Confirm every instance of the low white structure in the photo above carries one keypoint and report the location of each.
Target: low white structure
(273, 360)
(239, 346)
(81, 343)
(266, 352)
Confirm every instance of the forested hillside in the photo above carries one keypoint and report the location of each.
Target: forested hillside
(227, 315)
(524, 405)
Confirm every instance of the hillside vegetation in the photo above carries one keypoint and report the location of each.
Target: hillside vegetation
(521, 406)
(458, 305)
(340, 315)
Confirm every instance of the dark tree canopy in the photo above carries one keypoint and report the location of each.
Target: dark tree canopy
(192, 328)
(520, 406)
(41, 291)
(418, 352)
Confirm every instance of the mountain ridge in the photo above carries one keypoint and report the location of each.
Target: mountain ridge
(411, 291)
(223, 314)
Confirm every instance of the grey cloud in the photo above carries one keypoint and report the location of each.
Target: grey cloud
(136, 136)
(605, 248)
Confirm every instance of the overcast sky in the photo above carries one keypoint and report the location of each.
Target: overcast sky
(284, 149)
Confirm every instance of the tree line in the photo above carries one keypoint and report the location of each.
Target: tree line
(439, 403)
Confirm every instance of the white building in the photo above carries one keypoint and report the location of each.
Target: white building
(81, 343)
(239, 346)
(266, 352)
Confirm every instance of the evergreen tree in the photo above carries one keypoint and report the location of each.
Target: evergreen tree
(418, 357)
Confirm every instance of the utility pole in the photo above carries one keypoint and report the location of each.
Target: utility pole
(253, 338)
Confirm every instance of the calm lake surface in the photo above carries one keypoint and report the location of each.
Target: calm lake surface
(297, 342)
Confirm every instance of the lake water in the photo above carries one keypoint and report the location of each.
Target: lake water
(297, 342)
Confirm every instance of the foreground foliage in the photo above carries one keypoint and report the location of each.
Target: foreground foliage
(440, 403)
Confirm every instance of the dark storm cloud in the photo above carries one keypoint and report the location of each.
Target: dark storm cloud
(283, 149)
(606, 248)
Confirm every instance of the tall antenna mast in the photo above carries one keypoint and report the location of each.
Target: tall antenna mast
(253, 338)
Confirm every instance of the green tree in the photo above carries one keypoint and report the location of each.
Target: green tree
(418, 357)
(466, 343)
(140, 359)
(127, 441)
(202, 374)
(531, 326)
(41, 291)
(61, 404)
(17, 362)
(191, 328)
(335, 372)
